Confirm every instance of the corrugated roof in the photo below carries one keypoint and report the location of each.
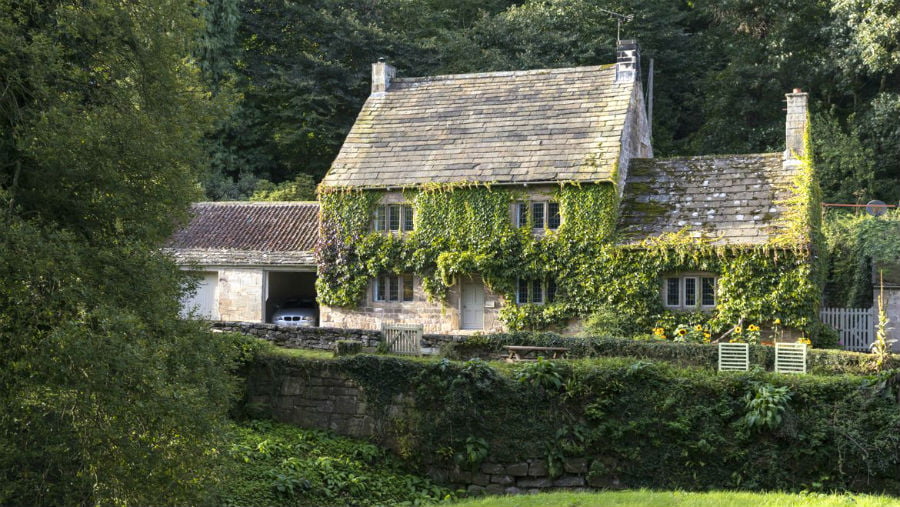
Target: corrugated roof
(730, 200)
(500, 127)
(250, 226)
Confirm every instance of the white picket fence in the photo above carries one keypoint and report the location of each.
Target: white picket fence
(403, 338)
(856, 326)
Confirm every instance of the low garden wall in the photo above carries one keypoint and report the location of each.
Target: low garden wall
(490, 346)
(604, 423)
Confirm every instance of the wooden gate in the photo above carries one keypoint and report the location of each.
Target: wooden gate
(856, 326)
(403, 338)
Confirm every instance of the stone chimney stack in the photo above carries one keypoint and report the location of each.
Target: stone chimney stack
(628, 62)
(795, 125)
(382, 73)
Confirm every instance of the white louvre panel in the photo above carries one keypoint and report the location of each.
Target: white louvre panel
(734, 357)
(790, 357)
(403, 338)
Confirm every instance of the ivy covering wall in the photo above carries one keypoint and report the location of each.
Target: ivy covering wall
(464, 229)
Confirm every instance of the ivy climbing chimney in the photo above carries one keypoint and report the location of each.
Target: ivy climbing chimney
(382, 73)
(628, 62)
(795, 125)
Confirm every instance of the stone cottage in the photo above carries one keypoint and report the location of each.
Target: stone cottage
(248, 257)
(495, 201)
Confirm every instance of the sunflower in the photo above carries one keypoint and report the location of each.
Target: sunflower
(752, 328)
(682, 331)
(698, 328)
(738, 330)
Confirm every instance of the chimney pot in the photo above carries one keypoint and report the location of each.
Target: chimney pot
(795, 125)
(382, 73)
(628, 61)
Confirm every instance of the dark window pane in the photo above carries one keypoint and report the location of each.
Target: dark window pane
(393, 289)
(522, 294)
(537, 292)
(709, 292)
(380, 219)
(537, 215)
(408, 288)
(521, 214)
(394, 217)
(380, 289)
(551, 290)
(672, 298)
(407, 218)
(553, 215)
(690, 292)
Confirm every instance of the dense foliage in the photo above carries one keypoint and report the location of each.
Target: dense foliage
(462, 229)
(638, 423)
(298, 72)
(695, 355)
(277, 464)
(857, 243)
(105, 395)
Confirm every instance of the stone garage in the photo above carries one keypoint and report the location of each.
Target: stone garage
(249, 257)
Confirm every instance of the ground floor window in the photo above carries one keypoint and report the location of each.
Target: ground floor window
(535, 291)
(393, 288)
(689, 291)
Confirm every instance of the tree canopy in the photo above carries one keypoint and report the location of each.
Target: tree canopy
(107, 397)
(299, 73)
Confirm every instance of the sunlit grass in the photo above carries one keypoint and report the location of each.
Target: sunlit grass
(644, 498)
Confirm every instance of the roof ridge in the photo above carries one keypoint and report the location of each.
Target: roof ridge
(256, 203)
(707, 157)
(498, 73)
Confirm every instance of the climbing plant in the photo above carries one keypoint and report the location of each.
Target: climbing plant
(468, 228)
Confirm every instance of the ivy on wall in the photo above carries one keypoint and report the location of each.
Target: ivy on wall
(462, 229)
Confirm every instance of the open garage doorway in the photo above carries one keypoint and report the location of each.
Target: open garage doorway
(290, 288)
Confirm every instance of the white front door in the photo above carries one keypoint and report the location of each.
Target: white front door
(472, 305)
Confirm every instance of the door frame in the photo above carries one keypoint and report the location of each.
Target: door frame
(471, 280)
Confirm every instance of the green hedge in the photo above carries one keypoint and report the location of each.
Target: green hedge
(820, 361)
(638, 423)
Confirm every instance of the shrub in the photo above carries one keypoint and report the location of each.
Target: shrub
(347, 347)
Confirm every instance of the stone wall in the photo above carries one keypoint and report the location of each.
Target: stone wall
(240, 295)
(319, 397)
(436, 317)
(323, 338)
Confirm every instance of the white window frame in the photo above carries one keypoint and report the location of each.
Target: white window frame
(543, 284)
(381, 218)
(699, 279)
(386, 281)
(529, 207)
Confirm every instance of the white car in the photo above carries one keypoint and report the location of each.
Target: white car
(296, 316)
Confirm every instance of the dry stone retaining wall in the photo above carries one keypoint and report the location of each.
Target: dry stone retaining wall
(319, 397)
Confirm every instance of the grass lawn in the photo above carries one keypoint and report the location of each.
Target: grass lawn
(644, 498)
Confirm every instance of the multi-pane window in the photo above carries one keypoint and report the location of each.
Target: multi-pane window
(543, 215)
(689, 291)
(393, 217)
(393, 288)
(535, 291)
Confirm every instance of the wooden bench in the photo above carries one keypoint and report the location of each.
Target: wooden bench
(525, 353)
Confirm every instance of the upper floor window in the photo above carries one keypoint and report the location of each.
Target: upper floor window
(689, 292)
(535, 291)
(393, 217)
(543, 214)
(393, 288)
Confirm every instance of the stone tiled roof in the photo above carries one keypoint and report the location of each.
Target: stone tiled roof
(729, 200)
(500, 127)
(248, 233)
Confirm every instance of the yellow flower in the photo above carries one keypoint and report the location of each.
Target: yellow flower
(698, 328)
(659, 331)
(706, 335)
(752, 327)
(737, 330)
(682, 332)
(777, 322)
(735, 340)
